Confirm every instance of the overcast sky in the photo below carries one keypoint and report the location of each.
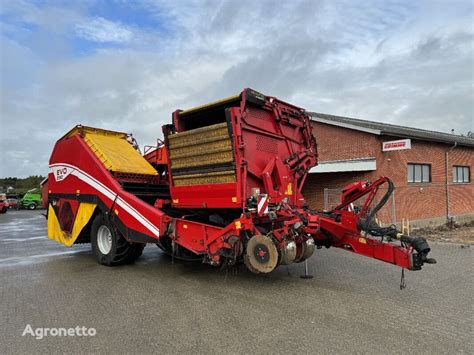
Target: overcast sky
(126, 65)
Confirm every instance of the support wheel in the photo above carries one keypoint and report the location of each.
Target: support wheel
(261, 255)
(110, 247)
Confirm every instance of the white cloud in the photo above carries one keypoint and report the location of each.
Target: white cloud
(386, 61)
(101, 30)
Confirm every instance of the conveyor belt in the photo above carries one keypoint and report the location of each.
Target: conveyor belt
(197, 150)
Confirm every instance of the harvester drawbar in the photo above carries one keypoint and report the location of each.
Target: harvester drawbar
(223, 186)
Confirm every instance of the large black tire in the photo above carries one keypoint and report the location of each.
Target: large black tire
(3, 210)
(121, 251)
(32, 206)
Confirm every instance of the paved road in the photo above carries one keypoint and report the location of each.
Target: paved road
(352, 305)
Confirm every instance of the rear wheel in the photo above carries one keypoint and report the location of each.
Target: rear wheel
(110, 247)
(3, 210)
(32, 206)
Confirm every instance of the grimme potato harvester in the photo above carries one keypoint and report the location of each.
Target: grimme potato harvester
(223, 186)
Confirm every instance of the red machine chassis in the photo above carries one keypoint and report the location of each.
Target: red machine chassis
(77, 175)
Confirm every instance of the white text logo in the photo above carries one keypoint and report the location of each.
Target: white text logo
(40, 333)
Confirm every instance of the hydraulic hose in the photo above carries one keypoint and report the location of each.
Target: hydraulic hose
(383, 201)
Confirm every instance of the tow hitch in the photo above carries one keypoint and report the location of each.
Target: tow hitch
(422, 248)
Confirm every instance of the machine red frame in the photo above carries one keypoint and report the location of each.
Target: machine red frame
(265, 200)
(3, 203)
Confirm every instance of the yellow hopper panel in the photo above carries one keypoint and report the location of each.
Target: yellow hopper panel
(113, 149)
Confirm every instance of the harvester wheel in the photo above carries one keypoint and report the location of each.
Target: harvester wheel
(307, 249)
(110, 247)
(32, 206)
(261, 255)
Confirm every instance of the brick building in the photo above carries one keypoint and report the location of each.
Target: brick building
(431, 170)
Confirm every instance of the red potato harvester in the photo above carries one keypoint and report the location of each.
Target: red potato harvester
(223, 186)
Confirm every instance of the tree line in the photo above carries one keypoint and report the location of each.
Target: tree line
(20, 185)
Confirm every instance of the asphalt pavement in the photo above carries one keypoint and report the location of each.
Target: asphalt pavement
(352, 305)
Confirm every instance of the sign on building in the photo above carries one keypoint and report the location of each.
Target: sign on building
(400, 144)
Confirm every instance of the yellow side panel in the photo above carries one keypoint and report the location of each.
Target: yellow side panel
(84, 214)
(116, 153)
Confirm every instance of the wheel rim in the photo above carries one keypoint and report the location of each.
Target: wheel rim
(261, 253)
(104, 239)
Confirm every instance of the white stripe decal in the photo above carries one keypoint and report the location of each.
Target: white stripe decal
(262, 204)
(107, 192)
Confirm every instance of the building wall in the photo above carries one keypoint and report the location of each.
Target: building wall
(413, 201)
(335, 143)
